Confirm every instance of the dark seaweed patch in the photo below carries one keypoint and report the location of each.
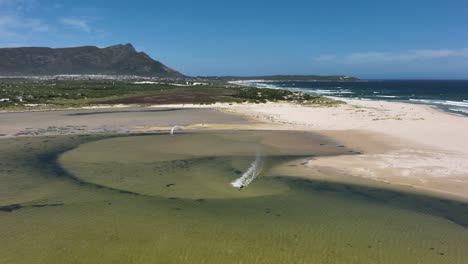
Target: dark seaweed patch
(46, 205)
(127, 192)
(453, 211)
(10, 208)
(13, 207)
(323, 187)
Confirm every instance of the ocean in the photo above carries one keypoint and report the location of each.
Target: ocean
(447, 95)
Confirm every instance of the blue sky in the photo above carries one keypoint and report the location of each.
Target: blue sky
(364, 38)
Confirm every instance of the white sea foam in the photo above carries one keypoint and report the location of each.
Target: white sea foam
(455, 103)
(461, 110)
(252, 173)
(386, 96)
(269, 85)
(327, 91)
(425, 101)
(441, 102)
(265, 85)
(256, 83)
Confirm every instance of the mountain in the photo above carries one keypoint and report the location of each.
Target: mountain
(113, 60)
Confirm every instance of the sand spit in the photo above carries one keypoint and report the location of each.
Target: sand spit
(401, 144)
(404, 144)
(109, 120)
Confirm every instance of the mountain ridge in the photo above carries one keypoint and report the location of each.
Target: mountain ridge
(120, 59)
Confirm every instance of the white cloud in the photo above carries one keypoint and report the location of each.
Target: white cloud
(405, 56)
(16, 22)
(28, 22)
(11, 25)
(78, 23)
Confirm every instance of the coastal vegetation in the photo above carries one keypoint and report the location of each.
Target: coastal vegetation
(30, 93)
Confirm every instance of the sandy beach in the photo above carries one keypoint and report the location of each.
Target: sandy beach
(404, 145)
(401, 144)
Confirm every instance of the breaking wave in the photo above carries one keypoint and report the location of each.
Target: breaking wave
(461, 110)
(441, 102)
(446, 96)
(387, 96)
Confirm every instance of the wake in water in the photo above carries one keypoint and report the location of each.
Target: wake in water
(248, 176)
(174, 129)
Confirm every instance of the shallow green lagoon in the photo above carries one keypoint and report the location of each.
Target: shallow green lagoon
(168, 199)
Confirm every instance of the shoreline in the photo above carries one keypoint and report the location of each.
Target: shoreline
(401, 144)
(448, 105)
(412, 145)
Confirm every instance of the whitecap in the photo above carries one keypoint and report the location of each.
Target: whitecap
(387, 96)
(461, 110)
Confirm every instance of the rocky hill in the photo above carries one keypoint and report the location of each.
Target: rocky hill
(113, 60)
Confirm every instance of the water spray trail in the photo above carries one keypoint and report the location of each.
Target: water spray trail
(248, 176)
(173, 129)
